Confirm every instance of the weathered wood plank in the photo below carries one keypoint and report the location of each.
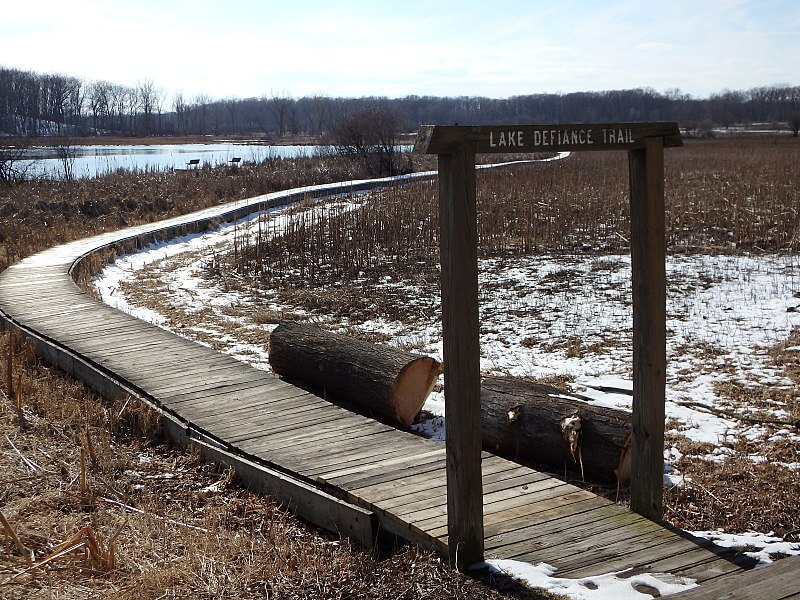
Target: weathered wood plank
(499, 491)
(648, 248)
(259, 407)
(402, 493)
(177, 396)
(461, 352)
(563, 515)
(428, 465)
(621, 556)
(271, 390)
(609, 543)
(546, 506)
(498, 509)
(238, 432)
(381, 491)
(345, 456)
(777, 581)
(317, 434)
(527, 540)
(343, 451)
(703, 563)
(381, 465)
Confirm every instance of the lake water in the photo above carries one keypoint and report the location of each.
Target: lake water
(91, 161)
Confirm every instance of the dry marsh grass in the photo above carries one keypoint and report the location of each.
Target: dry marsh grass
(39, 214)
(721, 197)
(94, 504)
(740, 493)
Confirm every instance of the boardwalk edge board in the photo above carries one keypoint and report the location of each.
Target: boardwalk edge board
(300, 498)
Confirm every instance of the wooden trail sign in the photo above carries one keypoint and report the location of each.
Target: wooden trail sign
(494, 139)
(456, 147)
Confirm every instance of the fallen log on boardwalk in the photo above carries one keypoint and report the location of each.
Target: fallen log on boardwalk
(393, 383)
(540, 424)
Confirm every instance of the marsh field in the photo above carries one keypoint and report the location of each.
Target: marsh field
(94, 487)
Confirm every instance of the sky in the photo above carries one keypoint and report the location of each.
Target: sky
(254, 48)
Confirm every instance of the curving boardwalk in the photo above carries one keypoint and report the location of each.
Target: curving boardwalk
(337, 469)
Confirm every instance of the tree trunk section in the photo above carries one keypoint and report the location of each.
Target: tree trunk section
(522, 421)
(393, 383)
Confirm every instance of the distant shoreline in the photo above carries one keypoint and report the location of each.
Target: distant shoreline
(110, 140)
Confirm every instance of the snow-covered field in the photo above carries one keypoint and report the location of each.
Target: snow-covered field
(545, 316)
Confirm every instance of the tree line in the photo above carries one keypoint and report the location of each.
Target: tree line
(34, 104)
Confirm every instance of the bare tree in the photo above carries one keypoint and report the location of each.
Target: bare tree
(181, 108)
(320, 113)
(150, 100)
(199, 113)
(13, 167)
(280, 106)
(98, 102)
(232, 107)
(370, 135)
(794, 123)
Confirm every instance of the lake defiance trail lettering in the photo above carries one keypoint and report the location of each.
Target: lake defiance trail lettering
(560, 137)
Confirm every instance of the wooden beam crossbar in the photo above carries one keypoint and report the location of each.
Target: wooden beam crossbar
(498, 139)
(456, 147)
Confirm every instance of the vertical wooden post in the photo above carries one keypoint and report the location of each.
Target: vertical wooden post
(461, 354)
(649, 327)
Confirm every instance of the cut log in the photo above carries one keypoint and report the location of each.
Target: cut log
(388, 381)
(543, 425)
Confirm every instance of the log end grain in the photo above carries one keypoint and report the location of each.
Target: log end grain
(412, 386)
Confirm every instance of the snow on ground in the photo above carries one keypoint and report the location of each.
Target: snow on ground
(555, 315)
(611, 586)
(541, 316)
(758, 545)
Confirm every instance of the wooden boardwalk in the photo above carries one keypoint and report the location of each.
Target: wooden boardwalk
(338, 469)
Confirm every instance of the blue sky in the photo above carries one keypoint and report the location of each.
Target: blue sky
(247, 48)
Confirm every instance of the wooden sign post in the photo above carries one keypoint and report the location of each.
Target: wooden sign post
(456, 148)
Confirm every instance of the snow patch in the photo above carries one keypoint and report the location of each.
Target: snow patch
(610, 586)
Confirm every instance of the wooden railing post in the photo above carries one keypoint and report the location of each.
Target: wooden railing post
(461, 354)
(649, 326)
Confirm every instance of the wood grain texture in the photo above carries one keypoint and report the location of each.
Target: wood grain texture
(778, 581)
(648, 249)
(458, 223)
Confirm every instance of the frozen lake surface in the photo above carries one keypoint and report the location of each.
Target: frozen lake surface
(91, 161)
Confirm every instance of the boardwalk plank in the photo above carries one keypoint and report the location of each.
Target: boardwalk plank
(317, 434)
(778, 581)
(408, 490)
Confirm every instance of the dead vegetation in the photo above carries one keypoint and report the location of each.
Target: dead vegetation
(721, 197)
(95, 504)
(36, 215)
(737, 489)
